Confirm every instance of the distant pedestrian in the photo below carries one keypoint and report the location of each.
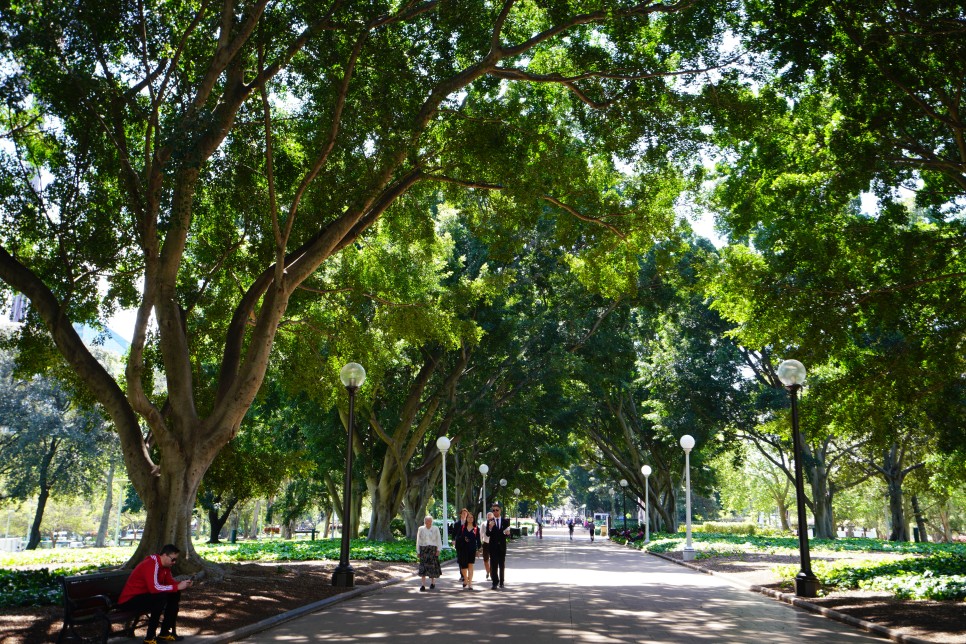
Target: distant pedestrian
(428, 546)
(590, 528)
(498, 529)
(570, 527)
(467, 544)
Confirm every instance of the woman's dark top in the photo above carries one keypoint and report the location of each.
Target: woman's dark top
(467, 543)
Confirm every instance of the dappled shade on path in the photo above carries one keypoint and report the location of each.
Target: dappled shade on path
(562, 590)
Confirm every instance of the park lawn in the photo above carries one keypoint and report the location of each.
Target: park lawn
(907, 570)
(33, 578)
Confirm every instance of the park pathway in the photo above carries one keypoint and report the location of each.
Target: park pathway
(568, 591)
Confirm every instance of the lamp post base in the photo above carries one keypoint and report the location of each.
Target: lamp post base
(688, 554)
(344, 577)
(807, 586)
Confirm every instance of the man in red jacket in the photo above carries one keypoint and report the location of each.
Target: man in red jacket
(152, 589)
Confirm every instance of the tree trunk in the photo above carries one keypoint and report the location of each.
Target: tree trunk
(327, 524)
(822, 509)
(815, 465)
(253, 533)
(217, 522)
(34, 539)
(355, 508)
(920, 520)
(384, 510)
(892, 471)
(945, 510)
(44, 485)
(782, 512)
(897, 514)
(415, 503)
(106, 511)
(169, 504)
(667, 510)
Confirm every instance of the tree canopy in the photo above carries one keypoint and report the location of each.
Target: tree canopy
(484, 203)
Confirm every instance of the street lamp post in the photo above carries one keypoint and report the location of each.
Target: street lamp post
(352, 376)
(502, 497)
(624, 501)
(484, 468)
(646, 471)
(792, 375)
(516, 503)
(613, 503)
(687, 444)
(443, 444)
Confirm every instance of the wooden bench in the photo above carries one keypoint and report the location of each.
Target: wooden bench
(90, 602)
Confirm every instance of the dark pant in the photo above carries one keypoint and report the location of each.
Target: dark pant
(497, 565)
(153, 604)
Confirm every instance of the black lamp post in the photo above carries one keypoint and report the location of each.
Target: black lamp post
(624, 501)
(792, 375)
(352, 376)
(516, 503)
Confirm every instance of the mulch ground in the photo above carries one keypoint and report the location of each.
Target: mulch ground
(249, 593)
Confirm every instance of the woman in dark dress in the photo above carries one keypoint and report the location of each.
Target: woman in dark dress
(467, 543)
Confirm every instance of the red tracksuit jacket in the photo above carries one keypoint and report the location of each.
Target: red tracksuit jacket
(149, 576)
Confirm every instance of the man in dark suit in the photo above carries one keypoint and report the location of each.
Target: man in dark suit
(498, 529)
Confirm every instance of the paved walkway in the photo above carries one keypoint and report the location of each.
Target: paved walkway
(568, 591)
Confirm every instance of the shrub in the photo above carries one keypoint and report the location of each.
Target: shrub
(925, 586)
(34, 587)
(729, 527)
(940, 576)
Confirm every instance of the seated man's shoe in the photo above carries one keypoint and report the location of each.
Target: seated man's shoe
(170, 637)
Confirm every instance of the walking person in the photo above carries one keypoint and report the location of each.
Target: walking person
(570, 526)
(590, 528)
(498, 529)
(486, 546)
(428, 546)
(467, 545)
(458, 526)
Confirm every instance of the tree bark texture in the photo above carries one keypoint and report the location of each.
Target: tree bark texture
(920, 520)
(815, 466)
(105, 521)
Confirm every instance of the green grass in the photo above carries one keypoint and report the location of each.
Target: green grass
(40, 586)
(938, 576)
(918, 571)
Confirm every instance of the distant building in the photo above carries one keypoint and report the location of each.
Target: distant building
(106, 339)
(18, 308)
